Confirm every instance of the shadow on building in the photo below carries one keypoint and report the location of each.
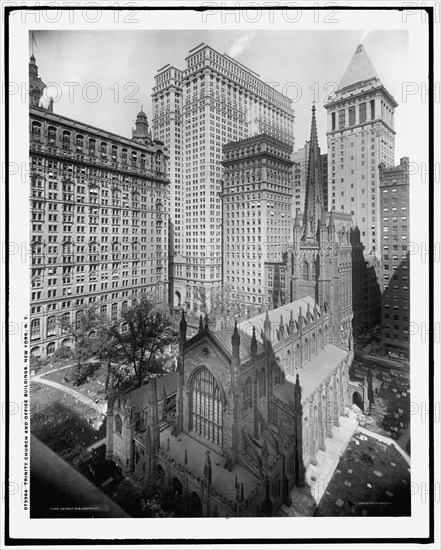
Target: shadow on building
(395, 309)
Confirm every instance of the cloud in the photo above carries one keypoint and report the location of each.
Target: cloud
(240, 44)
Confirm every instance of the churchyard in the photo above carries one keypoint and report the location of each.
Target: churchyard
(371, 479)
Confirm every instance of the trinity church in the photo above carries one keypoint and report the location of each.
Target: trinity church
(254, 402)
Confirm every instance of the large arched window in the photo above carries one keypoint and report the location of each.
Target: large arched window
(247, 399)
(305, 271)
(206, 412)
(297, 357)
(118, 424)
(277, 370)
(289, 368)
(314, 271)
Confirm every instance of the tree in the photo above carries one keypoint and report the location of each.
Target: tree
(143, 332)
(228, 304)
(90, 335)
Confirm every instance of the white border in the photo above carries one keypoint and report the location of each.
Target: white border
(351, 528)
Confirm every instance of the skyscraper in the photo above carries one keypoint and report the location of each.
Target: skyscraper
(256, 206)
(395, 284)
(99, 204)
(214, 100)
(361, 134)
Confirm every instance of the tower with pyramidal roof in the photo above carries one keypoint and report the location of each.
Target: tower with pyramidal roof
(361, 135)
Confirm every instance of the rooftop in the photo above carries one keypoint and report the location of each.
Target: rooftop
(360, 69)
(312, 375)
(140, 396)
(274, 317)
(223, 480)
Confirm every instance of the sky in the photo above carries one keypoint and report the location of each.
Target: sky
(104, 77)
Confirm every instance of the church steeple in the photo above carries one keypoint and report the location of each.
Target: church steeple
(313, 193)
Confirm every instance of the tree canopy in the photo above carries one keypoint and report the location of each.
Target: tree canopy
(143, 333)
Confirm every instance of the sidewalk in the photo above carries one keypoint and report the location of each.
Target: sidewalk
(99, 407)
(305, 499)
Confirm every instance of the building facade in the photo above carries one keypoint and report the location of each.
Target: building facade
(395, 283)
(361, 135)
(99, 220)
(254, 404)
(214, 100)
(256, 210)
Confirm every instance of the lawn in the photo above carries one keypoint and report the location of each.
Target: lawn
(93, 387)
(61, 422)
(371, 479)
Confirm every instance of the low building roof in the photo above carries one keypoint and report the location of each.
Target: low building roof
(311, 376)
(223, 480)
(140, 396)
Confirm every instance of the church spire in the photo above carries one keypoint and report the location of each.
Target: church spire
(314, 181)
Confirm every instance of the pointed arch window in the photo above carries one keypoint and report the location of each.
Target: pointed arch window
(305, 271)
(305, 351)
(297, 357)
(247, 397)
(206, 407)
(277, 371)
(118, 424)
(314, 270)
(262, 383)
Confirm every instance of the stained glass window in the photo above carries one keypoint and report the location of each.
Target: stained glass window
(206, 407)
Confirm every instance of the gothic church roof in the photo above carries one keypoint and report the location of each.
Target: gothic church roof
(140, 397)
(274, 317)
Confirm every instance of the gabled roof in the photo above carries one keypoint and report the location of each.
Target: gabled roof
(223, 338)
(359, 69)
(312, 375)
(141, 396)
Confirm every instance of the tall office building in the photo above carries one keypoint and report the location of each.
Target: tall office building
(360, 134)
(214, 100)
(99, 233)
(394, 191)
(256, 207)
